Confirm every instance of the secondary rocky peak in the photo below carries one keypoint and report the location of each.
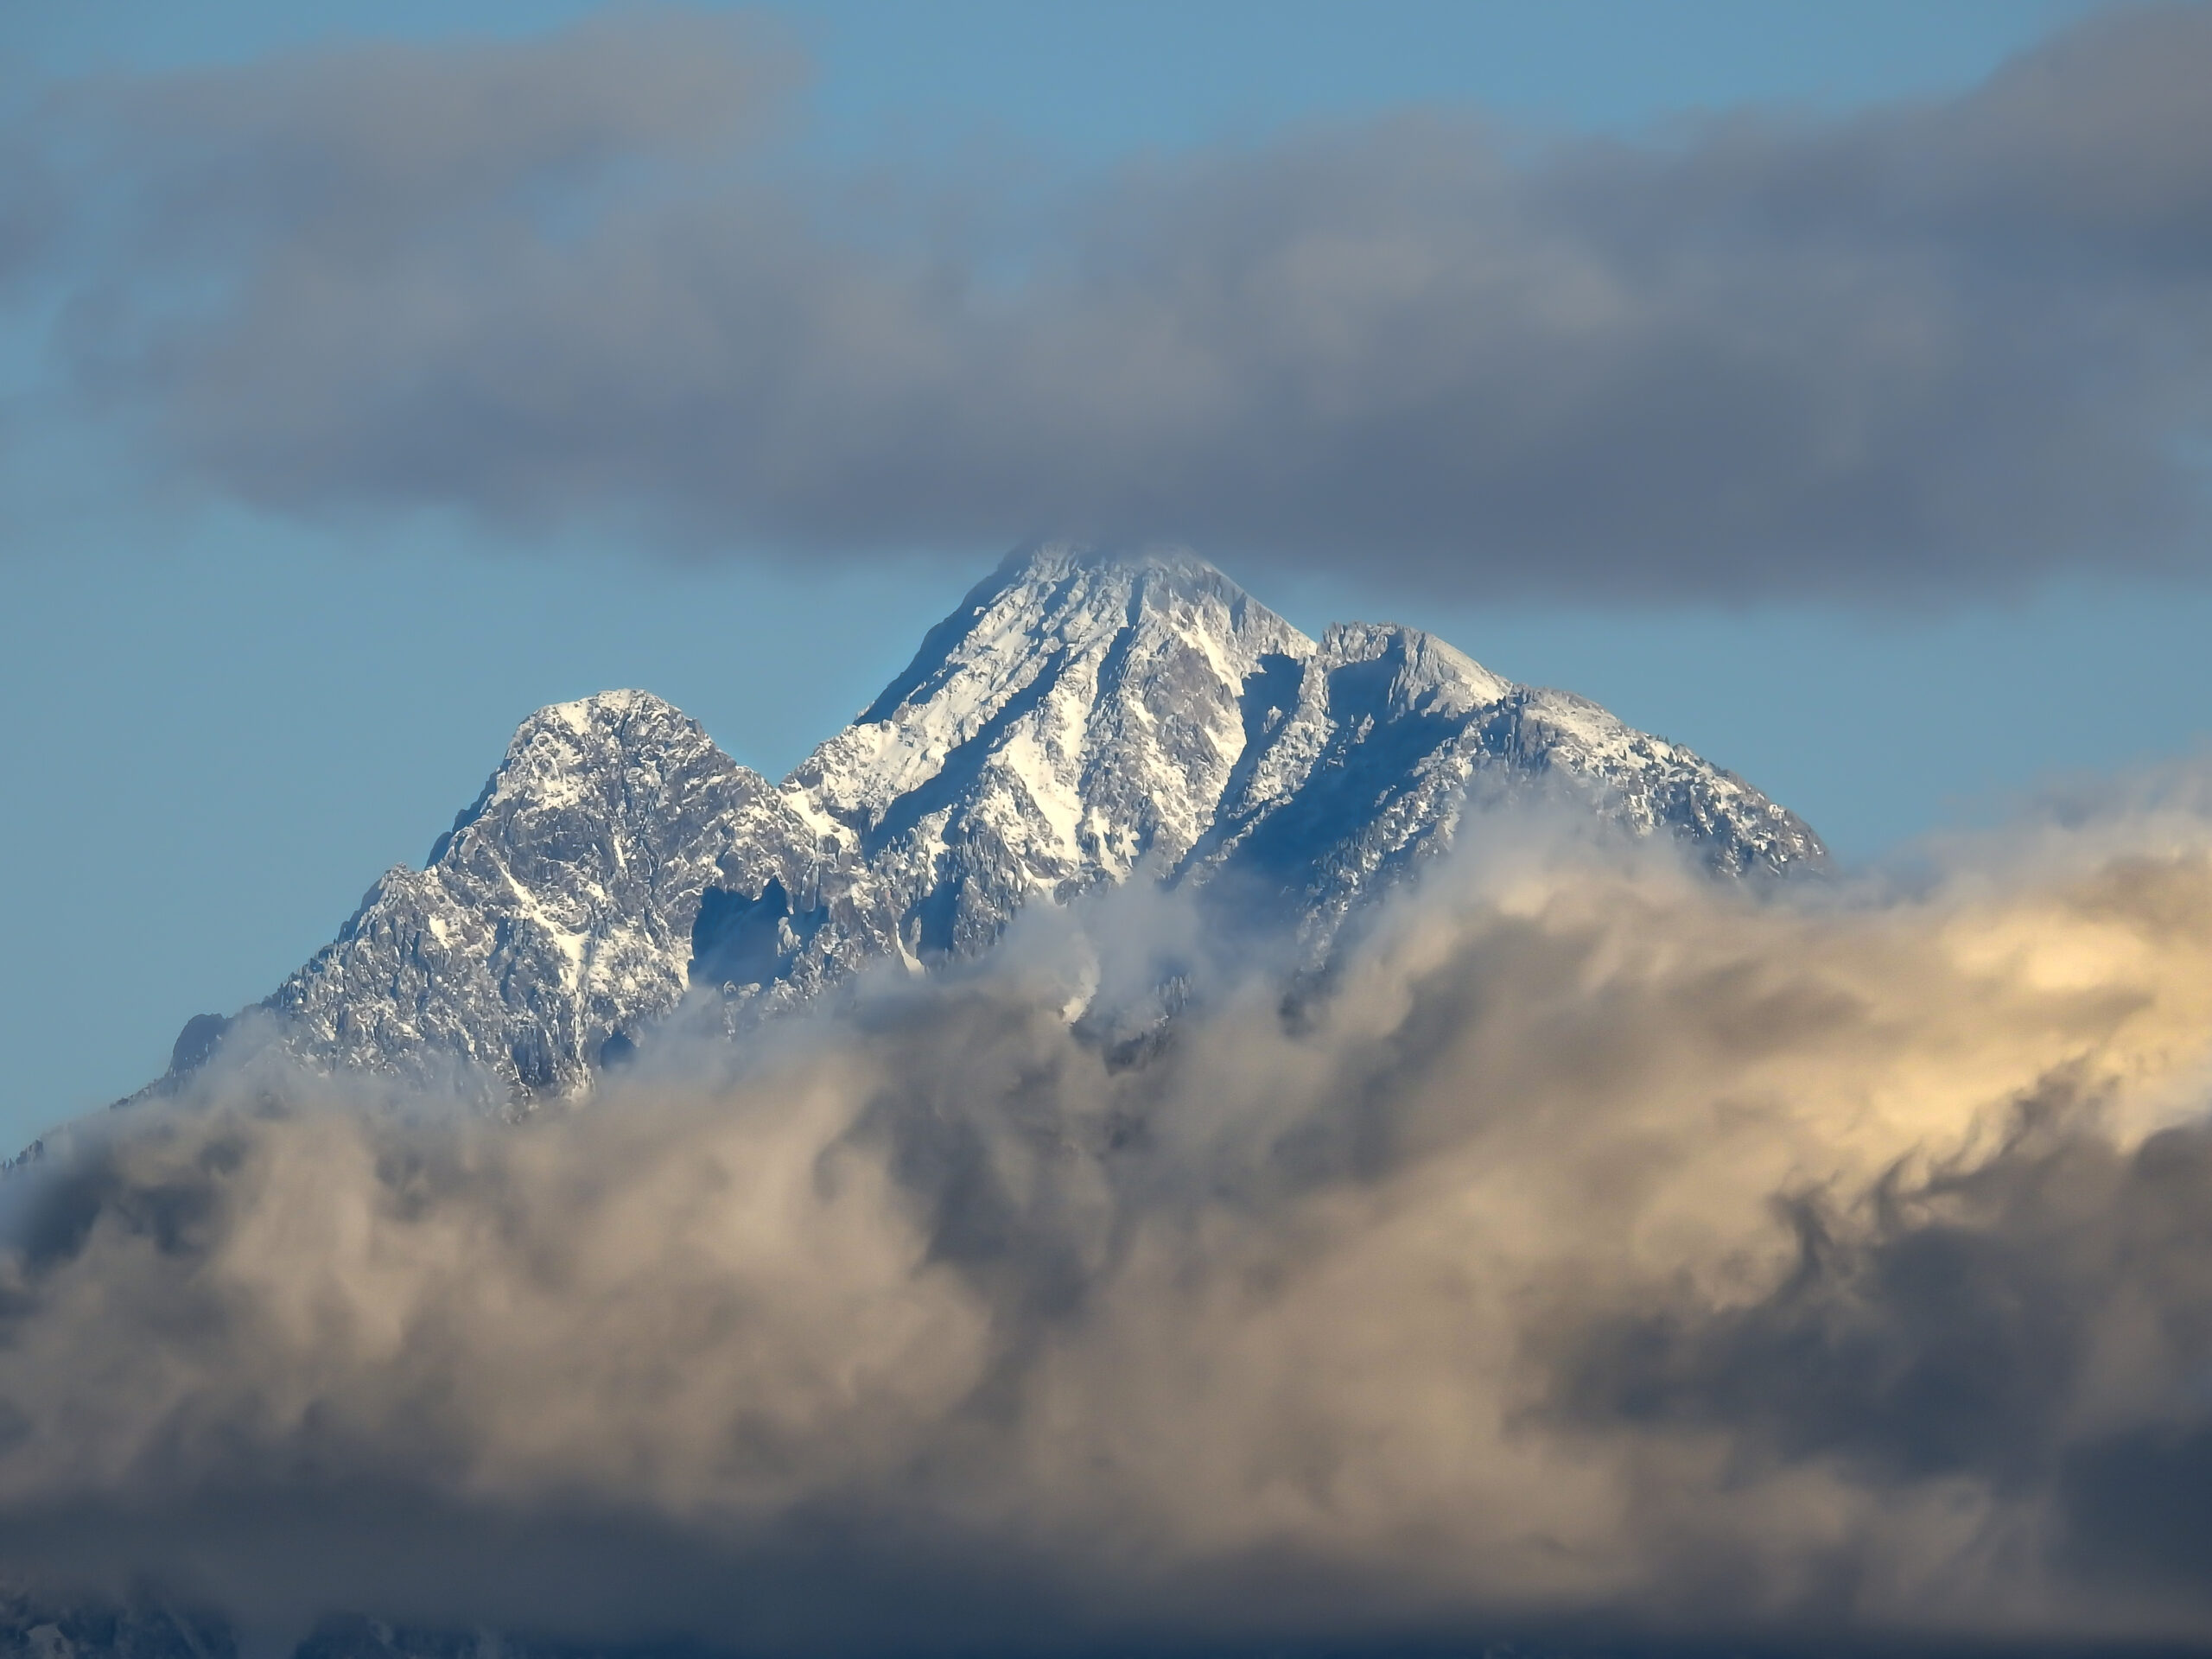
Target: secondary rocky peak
(555, 914)
(615, 756)
(629, 718)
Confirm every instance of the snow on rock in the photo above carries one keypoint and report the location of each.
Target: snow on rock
(555, 913)
(1083, 716)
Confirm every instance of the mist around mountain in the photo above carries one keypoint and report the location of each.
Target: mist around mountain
(1163, 1137)
(1083, 718)
(1598, 1257)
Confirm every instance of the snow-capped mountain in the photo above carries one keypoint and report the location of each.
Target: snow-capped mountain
(1082, 717)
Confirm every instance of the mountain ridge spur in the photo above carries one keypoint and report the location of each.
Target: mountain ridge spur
(1082, 715)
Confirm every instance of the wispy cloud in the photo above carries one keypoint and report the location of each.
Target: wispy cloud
(1942, 348)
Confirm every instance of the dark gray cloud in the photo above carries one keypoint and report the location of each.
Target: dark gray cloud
(1601, 1251)
(1942, 346)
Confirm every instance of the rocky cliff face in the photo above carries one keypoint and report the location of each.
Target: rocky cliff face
(1082, 718)
(556, 911)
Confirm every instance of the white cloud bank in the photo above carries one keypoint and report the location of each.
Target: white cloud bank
(1600, 1250)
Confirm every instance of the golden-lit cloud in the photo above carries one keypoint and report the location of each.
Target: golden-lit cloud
(1592, 1242)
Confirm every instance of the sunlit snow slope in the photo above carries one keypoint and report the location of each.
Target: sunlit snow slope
(1083, 717)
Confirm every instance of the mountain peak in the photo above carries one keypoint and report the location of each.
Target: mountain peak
(1067, 599)
(1108, 681)
(1057, 560)
(1084, 716)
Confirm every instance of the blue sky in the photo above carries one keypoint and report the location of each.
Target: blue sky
(224, 719)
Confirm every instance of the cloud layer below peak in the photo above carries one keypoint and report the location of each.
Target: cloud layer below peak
(1599, 1250)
